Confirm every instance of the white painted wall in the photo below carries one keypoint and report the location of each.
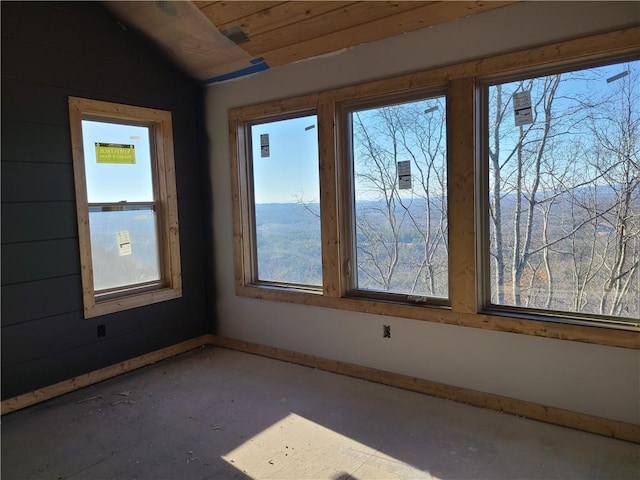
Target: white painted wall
(584, 378)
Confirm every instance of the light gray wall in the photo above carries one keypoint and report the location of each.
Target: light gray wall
(585, 378)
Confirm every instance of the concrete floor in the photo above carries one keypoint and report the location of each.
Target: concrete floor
(220, 414)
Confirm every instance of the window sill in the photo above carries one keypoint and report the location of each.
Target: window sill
(567, 318)
(549, 326)
(121, 303)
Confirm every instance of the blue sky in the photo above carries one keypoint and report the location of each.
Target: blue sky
(116, 182)
(290, 173)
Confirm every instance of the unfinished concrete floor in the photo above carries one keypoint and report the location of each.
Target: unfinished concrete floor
(219, 414)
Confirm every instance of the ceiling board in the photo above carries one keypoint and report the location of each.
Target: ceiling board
(330, 22)
(280, 17)
(203, 4)
(270, 34)
(184, 34)
(230, 13)
(406, 21)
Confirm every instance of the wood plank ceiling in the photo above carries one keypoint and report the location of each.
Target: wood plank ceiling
(268, 34)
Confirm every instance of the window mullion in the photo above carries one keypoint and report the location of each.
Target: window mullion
(461, 117)
(331, 279)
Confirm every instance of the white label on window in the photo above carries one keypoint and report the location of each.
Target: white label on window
(522, 108)
(264, 145)
(124, 243)
(404, 175)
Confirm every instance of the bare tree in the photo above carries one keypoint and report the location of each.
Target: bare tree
(570, 184)
(564, 195)
(615, 126)
(402, 242)
(517, 175)
(378, 224)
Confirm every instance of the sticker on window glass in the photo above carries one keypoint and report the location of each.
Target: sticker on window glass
(404, 175)
(115, 153)
(522, 108)
(264, 145)
(124, 243)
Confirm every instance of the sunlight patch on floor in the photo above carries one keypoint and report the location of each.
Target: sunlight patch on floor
(296, 448)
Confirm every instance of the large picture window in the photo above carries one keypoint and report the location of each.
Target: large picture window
(286, 201)
(399, 199)
(501, 193)
(126, 205)
(564, 192)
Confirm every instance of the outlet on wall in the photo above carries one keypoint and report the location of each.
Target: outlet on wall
(102, 330)
(386, 331)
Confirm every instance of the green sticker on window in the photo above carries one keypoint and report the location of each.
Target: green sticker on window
(115, 153)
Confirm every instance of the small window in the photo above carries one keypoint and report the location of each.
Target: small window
(564, 193)
(286, 202)
(126, 204)
(399, 200)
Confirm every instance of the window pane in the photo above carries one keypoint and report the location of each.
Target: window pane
(124, 246)
(117, 162)
(286, 193)
(564, 194)
(400, 198)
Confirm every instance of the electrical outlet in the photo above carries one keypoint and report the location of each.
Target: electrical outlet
(386, 331)
(102, 330)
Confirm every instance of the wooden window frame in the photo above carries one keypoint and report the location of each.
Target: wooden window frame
(345, 201)
(484, 279)
(465, 170)
(247, 165)
(163, 173)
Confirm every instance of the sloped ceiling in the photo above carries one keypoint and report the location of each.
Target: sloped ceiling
(217, 41)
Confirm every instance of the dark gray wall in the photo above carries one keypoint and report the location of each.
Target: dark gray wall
(51, 51)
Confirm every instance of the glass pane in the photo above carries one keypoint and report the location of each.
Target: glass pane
(564, 191)
(286, 192)
(400, 198)
(117, 162)
(124, 246)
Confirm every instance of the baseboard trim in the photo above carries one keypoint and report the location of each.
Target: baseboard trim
(557, 416)
(84, 380)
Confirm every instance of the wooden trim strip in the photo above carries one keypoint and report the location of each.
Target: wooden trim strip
(461, 173)
(76, 106)
(327, 134)
(46, 393)
(512, 324)
(238, 157)
(557, 416)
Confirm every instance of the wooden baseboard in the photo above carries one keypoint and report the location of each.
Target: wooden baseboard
(66, 386)
(556, 416)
